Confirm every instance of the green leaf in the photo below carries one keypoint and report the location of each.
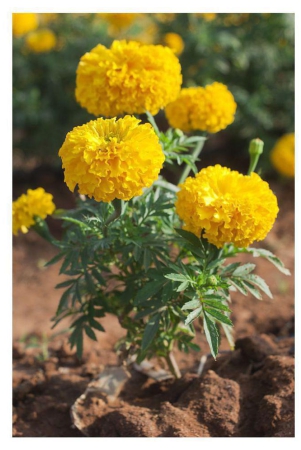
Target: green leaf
(193, 315)
(63, 301)
(96, 325)
(252, 290)
(227, 270)
(146, 259)
(239, 285)
(150, 331)
(192, 304)
(55, 259)
(259, 282)
(65, 284)
(183, 286)
(149, 290)
(219, 316)
(270, 257)
(176, 277)
(217, 304)
(212, 335)
(244, 270)
(190, 237)
(90, 333)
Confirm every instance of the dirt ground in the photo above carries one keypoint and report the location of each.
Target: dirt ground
(248, 392)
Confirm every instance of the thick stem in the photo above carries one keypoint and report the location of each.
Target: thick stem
(195, 155)
(116, 213)
(172, 365)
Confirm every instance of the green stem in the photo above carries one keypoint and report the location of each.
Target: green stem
(116, 213)
(195, 155)
(255, 150)
(172, 365)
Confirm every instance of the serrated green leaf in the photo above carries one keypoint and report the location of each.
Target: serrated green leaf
(190, 237)
(259, 282)
(217, 304)
(149, 290)
(239, 285)
(183, 286)
(90, 333)
(212, 335)
(193, 315)
(150, 331)
(244, 270)
(252, 290)
(96, 325)
(63, 301)
(55, 259)
(218, 315)
(192, 304)
(229, 269)
(65, 284)
(176, 277)
(270, 257)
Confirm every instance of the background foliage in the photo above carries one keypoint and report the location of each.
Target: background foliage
(253, 54)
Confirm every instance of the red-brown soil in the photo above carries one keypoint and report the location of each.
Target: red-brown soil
(245, 393)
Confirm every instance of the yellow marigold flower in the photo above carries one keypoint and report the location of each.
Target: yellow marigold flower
(207, 109)
(34, 203)
(175, 42)
(228, 206)
(40, 41)
(127, 78)
(23, 23)
(283, 155)
(109, 158)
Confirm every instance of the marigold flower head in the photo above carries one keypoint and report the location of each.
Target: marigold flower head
(228, 206)
(40, 41)
(211, 108)
(109, 158)
(283, 155)
(129, 77)
(175, 42)
(36, 202)
(24, 22)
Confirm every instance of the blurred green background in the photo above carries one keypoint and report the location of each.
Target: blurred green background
(253, 54)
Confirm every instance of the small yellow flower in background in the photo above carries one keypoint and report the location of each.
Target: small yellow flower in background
(207, 109)
(164, 17)
(109, 158)
(41, 41)
(128, 78)
(283, 155)
(118, 21)
(228, 206)
(175, 42)
(23, 23)
(208, 17)
(36, 202)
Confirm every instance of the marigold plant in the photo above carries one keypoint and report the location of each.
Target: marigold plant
(151, 252)
(23, 23)
(127, 78)
(283, 155)
(226, 206)
(208, 109)
(40, 41)
(109, 158)
(35, 203)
